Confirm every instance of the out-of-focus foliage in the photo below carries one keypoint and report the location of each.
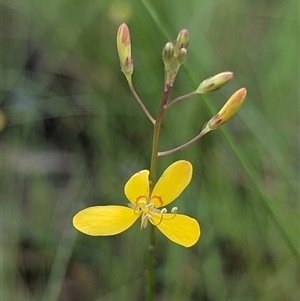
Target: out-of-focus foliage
(72, 134)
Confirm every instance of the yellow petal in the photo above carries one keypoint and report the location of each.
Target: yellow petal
(180, 229)
(137, 187)
(104, 220)
(172, 182)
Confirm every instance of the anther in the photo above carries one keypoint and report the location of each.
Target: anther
(136, 209)
(174, 210)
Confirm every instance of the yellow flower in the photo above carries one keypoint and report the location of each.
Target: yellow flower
(111, 220)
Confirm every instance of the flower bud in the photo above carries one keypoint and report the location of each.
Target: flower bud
(215, 82)
(182, 56)
(182, 41)
(124, 50)
(229, 109)
(168, 54)
(174, 55)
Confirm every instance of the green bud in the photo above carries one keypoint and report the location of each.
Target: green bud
(168, 54)
(124, 51)
(215, 82)
(182, 41)
(182, 56)
(174, 55)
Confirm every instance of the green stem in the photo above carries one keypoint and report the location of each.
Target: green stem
(150, 271)
(180, 98)
(152, 179)
(156, 131)
(140, 102)
(176, 149)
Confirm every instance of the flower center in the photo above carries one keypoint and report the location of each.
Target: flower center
(148, 210)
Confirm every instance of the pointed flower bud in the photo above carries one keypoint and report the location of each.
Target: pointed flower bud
(182, 56)
(215, 82)
(168, 54)
(124, 51)
(229, 109)
(174, 55)
(182, 41)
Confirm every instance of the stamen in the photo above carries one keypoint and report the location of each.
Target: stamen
(174, 210)
(145, 219)
(156, 210)
(151, 206)
(140, 206)
(144, 223)
(141, 202)
(162, 211)
(136, 209)
(148, 216)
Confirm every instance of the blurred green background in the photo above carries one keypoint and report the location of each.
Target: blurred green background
(73, 134)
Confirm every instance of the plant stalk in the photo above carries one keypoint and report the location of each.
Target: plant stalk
(141, 103)
(176, 149)
(152, 180)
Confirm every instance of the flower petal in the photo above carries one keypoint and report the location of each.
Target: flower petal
(104, 220)
(180, 228)
(137, 187)
(172, 182)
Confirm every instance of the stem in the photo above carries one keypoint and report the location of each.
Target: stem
(152, 180)
(140, 103)
(173, 150)
(180, 98)
(157, 125)
(150, 271)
